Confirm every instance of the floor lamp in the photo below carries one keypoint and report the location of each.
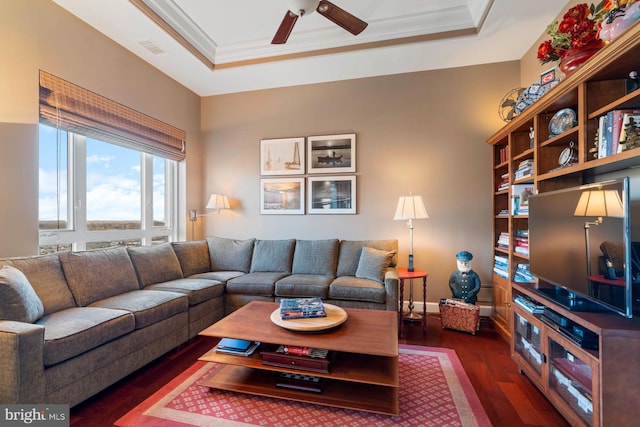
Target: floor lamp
(216, 202)
(410, 208)
(597, 203)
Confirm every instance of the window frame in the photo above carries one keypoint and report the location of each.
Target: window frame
(76, 233)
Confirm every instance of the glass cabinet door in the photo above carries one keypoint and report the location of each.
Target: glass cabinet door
(571, 378)
(527, 342)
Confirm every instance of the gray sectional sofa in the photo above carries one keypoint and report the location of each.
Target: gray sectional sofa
(73, 323)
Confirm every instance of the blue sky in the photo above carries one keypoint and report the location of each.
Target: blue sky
(113, 180)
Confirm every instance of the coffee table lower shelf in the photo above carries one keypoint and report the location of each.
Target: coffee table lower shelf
(335, 393)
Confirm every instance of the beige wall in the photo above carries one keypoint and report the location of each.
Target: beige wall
(423, 132)
(37, 34)
(530, 67)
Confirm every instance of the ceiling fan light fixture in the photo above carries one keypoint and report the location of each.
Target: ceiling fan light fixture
(302, 7)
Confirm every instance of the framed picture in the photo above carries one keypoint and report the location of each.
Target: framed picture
(332, 153)
(282, 196)
(332, 195)
(282, 156)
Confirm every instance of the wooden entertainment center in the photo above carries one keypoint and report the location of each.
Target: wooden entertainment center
(590, 387)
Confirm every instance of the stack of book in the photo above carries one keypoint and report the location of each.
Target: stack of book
(612, 130)
(501, 266)
(503, 240)
(520, 198)
(525, 169)
(236, 347)
(504, 154)
(523, 274)
(301, 308)
(529, 305)
(522, 242)
(504, 183)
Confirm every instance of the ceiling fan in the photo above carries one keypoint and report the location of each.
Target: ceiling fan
(325, 8)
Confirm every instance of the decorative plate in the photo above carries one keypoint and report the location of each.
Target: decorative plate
(562, 121)
(335, 316)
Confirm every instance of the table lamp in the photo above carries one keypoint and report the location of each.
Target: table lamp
(597, 203)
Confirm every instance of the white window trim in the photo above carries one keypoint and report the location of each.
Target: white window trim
(78, 236)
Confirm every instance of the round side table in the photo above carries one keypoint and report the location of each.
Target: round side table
(404, 273)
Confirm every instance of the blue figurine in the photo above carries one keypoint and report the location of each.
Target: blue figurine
(464, 282)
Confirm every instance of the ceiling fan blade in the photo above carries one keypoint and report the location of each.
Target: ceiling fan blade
(285, 28)
(341, 17)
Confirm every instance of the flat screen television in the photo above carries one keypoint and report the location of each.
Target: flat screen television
(567, 229)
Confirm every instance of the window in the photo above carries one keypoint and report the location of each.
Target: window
(94, 194)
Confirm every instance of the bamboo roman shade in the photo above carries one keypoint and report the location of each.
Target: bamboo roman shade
(67, 106)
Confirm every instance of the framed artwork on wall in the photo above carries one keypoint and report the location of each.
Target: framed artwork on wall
(331, 153)
(282, 156)
(282, 196)
(332, 195)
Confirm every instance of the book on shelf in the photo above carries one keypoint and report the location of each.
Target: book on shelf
(236, 347)
(302, 308)
(524, 170)
(523, 274)
(611, 130)
(501, 266)
(529, 305)
(503, 240)
(504, 182)
(520, 198)
(522, 242)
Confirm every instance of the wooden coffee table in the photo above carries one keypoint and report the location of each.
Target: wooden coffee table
(364, 375)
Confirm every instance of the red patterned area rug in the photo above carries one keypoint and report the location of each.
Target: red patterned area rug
(434, 391)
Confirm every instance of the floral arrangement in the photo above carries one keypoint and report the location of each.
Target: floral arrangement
(579, 29)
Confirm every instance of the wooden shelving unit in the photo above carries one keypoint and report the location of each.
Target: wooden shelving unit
(600, 391)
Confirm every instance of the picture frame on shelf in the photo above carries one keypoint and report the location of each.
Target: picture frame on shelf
(285, 156)
(332, 195)
(331, 153)
(282, 196)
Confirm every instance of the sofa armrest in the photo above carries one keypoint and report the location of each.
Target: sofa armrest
(21, 362)
(391, 286)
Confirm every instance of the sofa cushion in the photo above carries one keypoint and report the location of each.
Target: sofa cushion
(259, 284)
(73, 331)
(193, 257)
(230, 254)
(18, 300)
(220, 276)
(147, 306)
(272, 255)
(316, 257)
(355, 289)
(46, 276)
(303, 285)
(198, 290)
(350, 251)
(374, 263)
(99, 274)
(155, 264)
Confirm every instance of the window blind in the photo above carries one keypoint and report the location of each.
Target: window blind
(75, 109)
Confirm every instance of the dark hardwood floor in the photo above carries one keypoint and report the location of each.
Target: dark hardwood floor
(508, 397)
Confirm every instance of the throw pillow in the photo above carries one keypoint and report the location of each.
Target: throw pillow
(373, 263)
(272, 255)
(18, 300)
(230, 254)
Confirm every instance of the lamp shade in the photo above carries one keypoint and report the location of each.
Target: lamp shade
(218, 201)
(410, 207)
(600, 203)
